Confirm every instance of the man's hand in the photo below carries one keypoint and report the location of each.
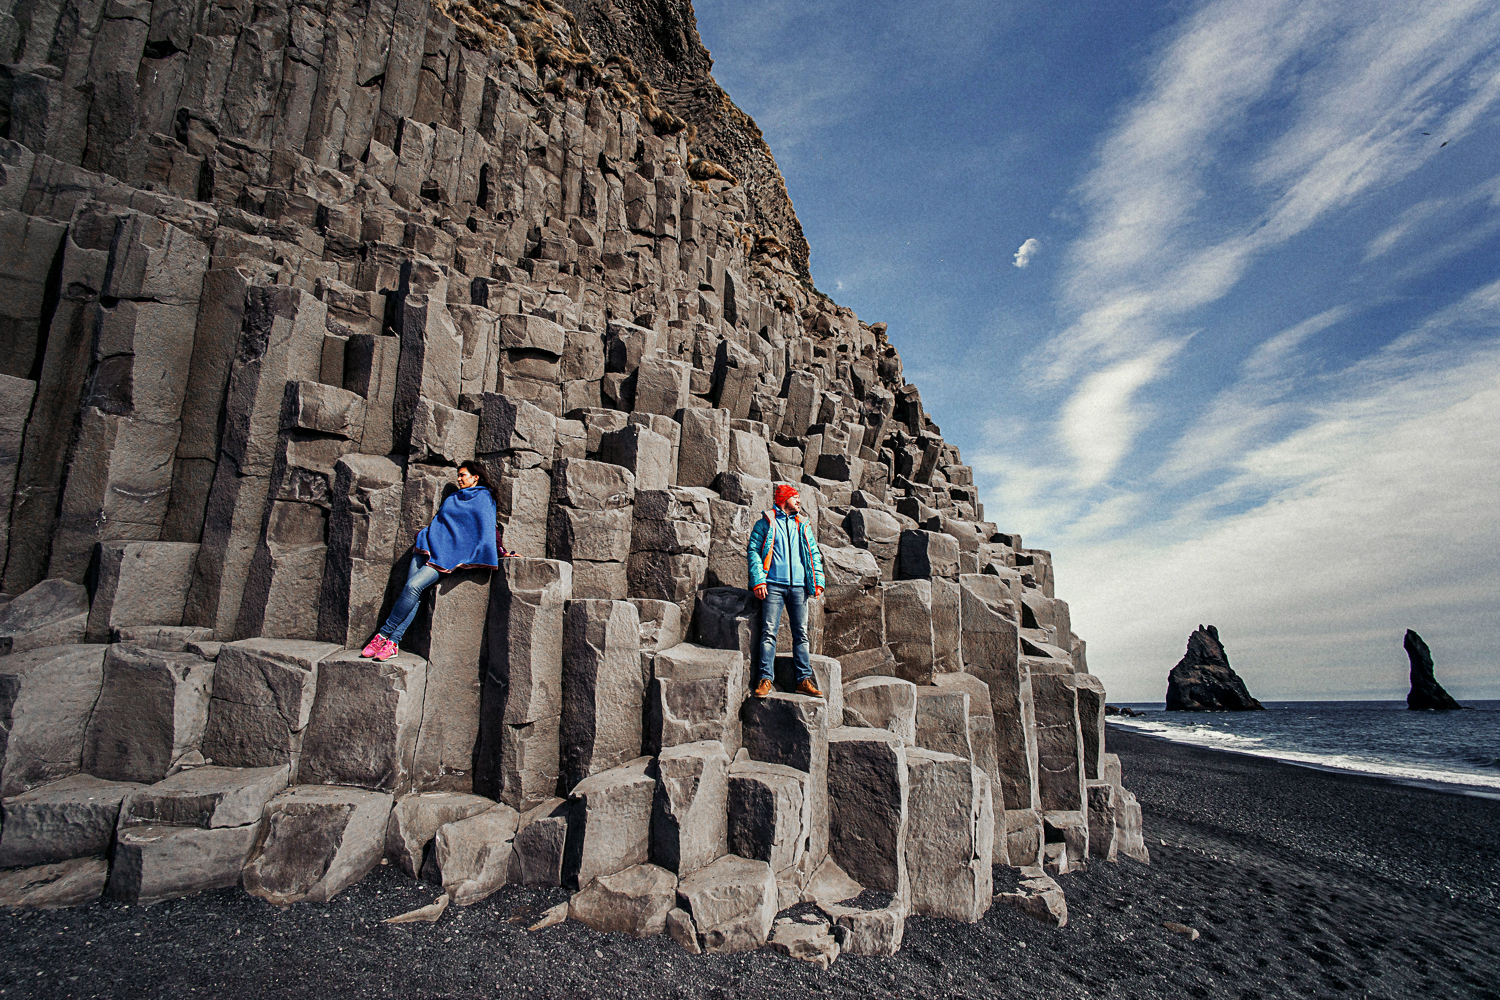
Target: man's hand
(760, 591)
(817, 591)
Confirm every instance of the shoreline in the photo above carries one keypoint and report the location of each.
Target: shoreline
(1301, 883)
(1481, 791)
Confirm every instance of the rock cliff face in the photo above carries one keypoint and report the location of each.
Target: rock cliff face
(1426, 692)
(1203, 681)
(267, 276)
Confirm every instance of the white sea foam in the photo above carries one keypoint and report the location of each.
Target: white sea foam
(1204, 736)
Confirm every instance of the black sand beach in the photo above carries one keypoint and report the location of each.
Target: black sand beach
(1302, 884)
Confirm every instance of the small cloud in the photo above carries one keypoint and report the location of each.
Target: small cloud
(1028, 250)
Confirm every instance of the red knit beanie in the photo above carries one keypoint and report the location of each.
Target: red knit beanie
(784, 493)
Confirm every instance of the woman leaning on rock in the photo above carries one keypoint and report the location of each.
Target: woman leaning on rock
(463, 535)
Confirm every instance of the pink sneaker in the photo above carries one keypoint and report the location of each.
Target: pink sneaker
(375, 645)
(387, 650)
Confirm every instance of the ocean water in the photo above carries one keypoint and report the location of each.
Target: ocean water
(1459, 751)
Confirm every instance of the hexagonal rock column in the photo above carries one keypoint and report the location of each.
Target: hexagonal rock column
(887, 703)
(191, 832)
(950, 836)
(451, 705)
(48, 695)
(689, 826)
(633, 901)
(589, 524)
(471, 857)
(1059, 743)
(71, 818)
(152, 710)
(1090, 721)
(601, 688)
(879, 532)
(263, 696)
(140, 583)
(792, 730)
(909, 629)
(669, 544)
(363, 726)
(732, 902)
(992, 652)
(415, 820)
(521, 712)
(770, 813)
(868, 788)
(362, 539)
(318, 841)
(610, 822)
(696, 695)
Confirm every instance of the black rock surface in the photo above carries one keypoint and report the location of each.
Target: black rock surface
(1426, 693)
(1203, 680)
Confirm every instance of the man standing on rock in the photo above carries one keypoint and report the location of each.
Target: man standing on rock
(786, 567)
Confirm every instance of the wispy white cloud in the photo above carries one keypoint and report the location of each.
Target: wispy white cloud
(1026, 252)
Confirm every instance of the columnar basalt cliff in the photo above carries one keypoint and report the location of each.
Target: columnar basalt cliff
(268, 276)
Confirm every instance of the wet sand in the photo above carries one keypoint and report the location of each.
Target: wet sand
(1301, 883)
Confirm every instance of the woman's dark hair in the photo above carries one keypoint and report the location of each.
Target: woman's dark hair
(484, 477)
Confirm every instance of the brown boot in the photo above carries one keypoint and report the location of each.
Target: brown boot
(763, 689)
(808, 687)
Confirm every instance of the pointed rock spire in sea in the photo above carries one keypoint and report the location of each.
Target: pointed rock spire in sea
(1203, 680)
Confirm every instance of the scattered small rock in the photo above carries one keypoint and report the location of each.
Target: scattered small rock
(1191, 933)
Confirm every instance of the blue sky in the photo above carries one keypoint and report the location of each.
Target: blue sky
(1250, 372)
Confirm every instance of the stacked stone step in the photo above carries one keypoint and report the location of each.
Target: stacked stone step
(247, 346)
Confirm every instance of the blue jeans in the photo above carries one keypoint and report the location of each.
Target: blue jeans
(794, 599)
(418, 579)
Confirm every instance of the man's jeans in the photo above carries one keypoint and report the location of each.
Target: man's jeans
(794, 599)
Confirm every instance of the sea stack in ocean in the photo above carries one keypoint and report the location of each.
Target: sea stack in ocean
(1426, 692)
(1203, 680)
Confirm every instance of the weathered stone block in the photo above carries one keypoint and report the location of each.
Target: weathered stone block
(633, 901)
(926, 554)
(207, 797)
(610, 822)
(71, 818)
(471, 857)
(887, 703)
(318, 840)
(415, 819)
(48, 695)
(991, 641)
(950, 836)
(1090, 721)
(704, 452)
(442, 434)
(152, 710)
(66, 883)
(909, 629)
(662, 386)
(733, 902)
(585, 485)
(697, 696)
(363, 726)
(452, 701)
(153, 863)
(645, 453)
(770, 813)
(262, 698)
(943, 721)
(588, 535)
(689, 828)
(140, 583)
(52, 613)
(540, 845)
(792, 730)
(507, 424)
(362, 539)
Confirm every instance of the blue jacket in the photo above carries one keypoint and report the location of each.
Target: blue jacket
(759, 552)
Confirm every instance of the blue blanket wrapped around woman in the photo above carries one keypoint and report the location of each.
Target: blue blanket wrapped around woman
(462, 536)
